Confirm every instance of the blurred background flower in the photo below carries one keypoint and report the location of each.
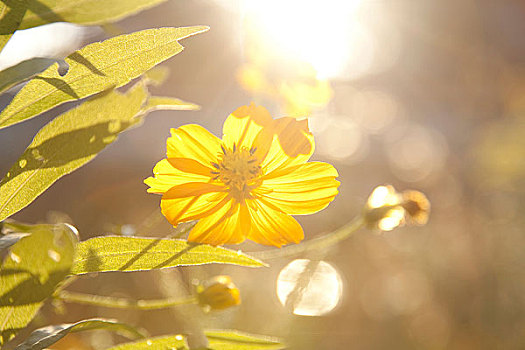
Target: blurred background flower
(428, 95)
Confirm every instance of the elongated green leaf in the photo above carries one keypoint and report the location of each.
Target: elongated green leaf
(12, 231)
(116, 253)
(218, 340)
(87, 12)
(11, 227)
(11, 14)
(95, 68)
(230, 340)
(156, 103)
(22, 71)
(30, 273)
(46, 336)
(66, 143)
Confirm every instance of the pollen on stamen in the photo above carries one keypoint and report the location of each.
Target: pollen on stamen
(239, 169)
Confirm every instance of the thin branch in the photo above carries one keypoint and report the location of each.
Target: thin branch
(316, 244)
(123, 303)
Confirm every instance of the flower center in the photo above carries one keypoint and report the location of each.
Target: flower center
(239, 169)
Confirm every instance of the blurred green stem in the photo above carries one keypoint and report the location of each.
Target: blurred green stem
(123, 303)
(313, 245)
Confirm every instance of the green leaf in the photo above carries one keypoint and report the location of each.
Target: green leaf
(116, 253)
(87, 12)
(156, 103)
(11, 14)
(230, 340)
(218, 340)
(46, 336)
(66, 143)
(22, 71)
(33, 268)
(95, 68)
(11, 226)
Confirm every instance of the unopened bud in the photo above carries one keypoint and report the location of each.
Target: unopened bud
(219, 293)
(417, 207)
(383, 210)
(387, 209)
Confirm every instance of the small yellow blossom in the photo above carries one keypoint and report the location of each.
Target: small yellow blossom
(246, 185)
(299, 93)
(301, 98)
(387, 209)
(219, 293)
(252, 79)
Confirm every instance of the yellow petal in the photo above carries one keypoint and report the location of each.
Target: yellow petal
(192, 201)
(278, 160)
(299, 173)
(194, 142)
(293, 136)
(167, 176)
(192, 189)
(272, 227)
(190, 166)
(221, 227)
(244, 124)
(301, 205)
(303, 189)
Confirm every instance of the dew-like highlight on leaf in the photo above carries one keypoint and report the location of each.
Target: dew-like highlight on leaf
(15, 258)
(72, 228)
(114, 126)
(128, 230)
(54, 255)
(36, 154)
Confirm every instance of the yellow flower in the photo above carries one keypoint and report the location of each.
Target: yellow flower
(246, 185)
(219, 293)
(299, 96)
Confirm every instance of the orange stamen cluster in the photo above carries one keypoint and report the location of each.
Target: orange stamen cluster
(239, 169)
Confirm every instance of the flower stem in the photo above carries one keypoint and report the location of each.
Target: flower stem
(123, 303)
(315, 244)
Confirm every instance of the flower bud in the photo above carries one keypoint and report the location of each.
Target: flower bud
(387, 209)
(383, 210)
(417, 207)
(219, 293)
